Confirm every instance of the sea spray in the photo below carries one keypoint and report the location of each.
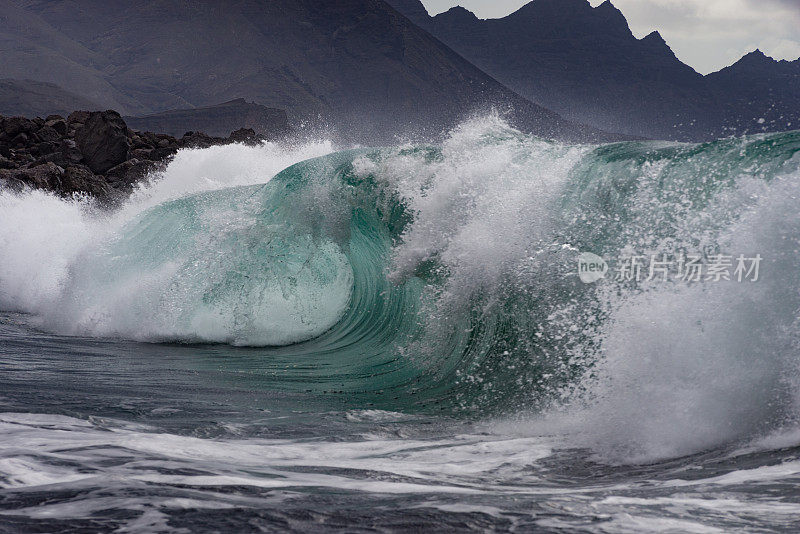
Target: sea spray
(444, 278)
(43, 236)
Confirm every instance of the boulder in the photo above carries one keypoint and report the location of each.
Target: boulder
(78, 117)
(59, 125)
(150, 139)
(247, 136)
(102, 141)
(50, 157)
(123, 176)
(70, 151)
(79, 179)
(44, 148)
(20, 140)
(142, 153)
(48, 135)
(13, 126)
(6, 163)
(47, 176)
(91, 152)
(163, 153)
(138, 143)
(199, 140)
(21, 157)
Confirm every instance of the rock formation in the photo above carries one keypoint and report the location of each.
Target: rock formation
(90, 152)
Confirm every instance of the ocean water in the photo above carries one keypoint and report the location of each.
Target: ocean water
(306, 339)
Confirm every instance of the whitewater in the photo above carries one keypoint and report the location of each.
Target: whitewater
(295, 338)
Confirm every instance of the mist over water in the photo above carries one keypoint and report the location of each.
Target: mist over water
(426, 298)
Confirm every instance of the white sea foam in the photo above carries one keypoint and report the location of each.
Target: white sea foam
(53, 258)
(472, 473)
(681, 368)
(684, 368)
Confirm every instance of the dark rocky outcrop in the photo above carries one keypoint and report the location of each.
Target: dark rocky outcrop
(79, 179)
(103, 141)
(45, 176)
(92, 153)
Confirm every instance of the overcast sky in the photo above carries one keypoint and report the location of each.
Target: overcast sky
(706, 34)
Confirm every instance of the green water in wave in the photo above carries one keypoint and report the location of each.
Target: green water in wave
(304, 267)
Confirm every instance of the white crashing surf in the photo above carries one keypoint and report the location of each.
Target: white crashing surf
(53, 258)
(676, 368)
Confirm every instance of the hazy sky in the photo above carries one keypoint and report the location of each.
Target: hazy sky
(706, 34)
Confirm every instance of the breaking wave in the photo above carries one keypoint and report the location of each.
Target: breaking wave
(445, 278)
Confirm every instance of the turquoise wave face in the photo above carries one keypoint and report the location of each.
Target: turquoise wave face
(428, 278)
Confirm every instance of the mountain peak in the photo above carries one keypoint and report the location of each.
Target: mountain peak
(613, 17)
(608, 6)
(414, 10)
(572, 18)
(655, 41)
(654, 37)
(755, 60)
(758, 58)
(564, 7)
(459, 12)
(754, 64)
(757, 55)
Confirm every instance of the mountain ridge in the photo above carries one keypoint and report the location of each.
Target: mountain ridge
(585, 63)
(358, 66)
(32, 98)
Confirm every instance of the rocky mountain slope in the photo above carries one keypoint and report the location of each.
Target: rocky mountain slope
(217, 120)
(585, 64)
(30, 98)
(763, 90)
(32, 49)
(358, 66)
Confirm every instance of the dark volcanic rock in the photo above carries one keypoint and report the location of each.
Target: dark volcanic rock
(79, 179)
(48, 157)
(57, 124)
(48, 134)
(79, 117)
(103, 141)
(6, 163)
(20, 140)
(247, 136)
(142, 153)
(13, 126)
(199, 140)
(70, 151)
(47, 176)
(127, 173)
(91, 152)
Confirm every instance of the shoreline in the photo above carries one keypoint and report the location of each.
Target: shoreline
(93, 153)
